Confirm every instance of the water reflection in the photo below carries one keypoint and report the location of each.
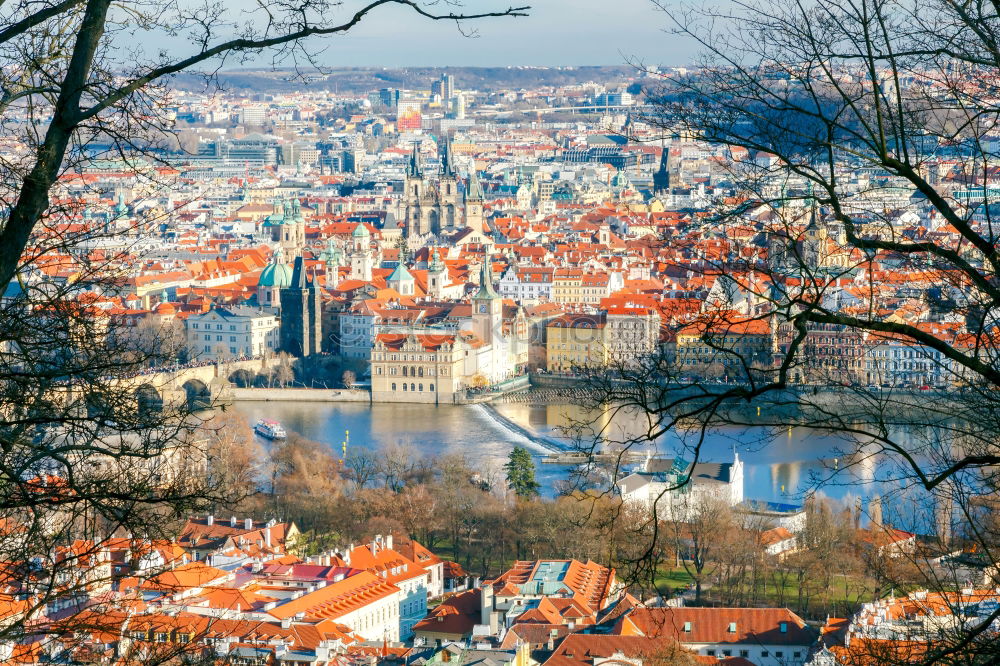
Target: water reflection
(421, 430)
(778, 465)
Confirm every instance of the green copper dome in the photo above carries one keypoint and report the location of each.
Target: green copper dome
(399, 274)
(275, 274)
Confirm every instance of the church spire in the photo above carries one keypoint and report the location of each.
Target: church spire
(447, 160)
(474, 192)
(813, 221)
(413, 170)
(486, 291)
(661, 179)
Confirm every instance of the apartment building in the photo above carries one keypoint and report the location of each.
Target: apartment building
(231, 332)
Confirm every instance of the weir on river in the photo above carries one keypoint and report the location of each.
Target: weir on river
(545, 442)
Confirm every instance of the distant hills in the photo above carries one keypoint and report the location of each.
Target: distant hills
(364, 79)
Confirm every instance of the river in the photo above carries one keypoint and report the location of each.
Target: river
(777, 467)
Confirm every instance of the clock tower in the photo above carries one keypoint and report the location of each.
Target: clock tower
(487, 305)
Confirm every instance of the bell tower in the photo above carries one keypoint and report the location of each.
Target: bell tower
(448, 209)
(474, 203)
(414, 195)
(437, 273)
(362, 258)
(661, 179)
(487, 305)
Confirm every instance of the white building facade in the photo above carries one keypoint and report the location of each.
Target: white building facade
(231, 332)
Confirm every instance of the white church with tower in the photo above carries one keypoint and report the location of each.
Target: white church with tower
(362, 256)
(421, 365)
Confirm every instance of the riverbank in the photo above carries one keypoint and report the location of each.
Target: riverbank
(299, 395)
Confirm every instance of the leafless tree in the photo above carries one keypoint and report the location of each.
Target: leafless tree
(827, 111)
(94, 443)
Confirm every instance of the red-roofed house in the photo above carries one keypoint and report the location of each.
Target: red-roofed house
(765, 636)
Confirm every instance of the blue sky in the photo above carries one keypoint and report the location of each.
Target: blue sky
(558, 32)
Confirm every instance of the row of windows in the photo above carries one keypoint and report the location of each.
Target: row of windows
(232, 327)
(372, 620)
(160, 636)
(233, 350)
(410, 371)
(414, 607)
(778, 654)
(218, 338)
(613, 323)
(413, 372)
(208, 349)
(414, 388)
(925, 367)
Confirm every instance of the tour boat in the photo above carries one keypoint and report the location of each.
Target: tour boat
(270, 429)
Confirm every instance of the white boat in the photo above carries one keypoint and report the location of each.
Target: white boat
(270, 429)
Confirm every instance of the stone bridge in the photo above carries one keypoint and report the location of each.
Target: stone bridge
(200, 386)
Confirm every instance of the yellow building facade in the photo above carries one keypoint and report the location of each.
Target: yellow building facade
(424, 368)
(576, 340)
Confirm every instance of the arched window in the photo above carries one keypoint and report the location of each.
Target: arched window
(432, 387)
(421, 388)
(420, 372)
(412, 387)
(394, 386)
(404, 370)
(404, 386)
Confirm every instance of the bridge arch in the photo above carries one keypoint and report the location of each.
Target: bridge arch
(148, 400)
(198, 394)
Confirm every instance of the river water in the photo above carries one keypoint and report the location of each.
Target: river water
(777, 466)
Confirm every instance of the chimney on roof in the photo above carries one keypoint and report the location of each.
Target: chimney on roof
(267, 536)
(232, 521)
(286, 622)
(375, 544)
(248, 524)
(388, 542)
(486, 605)
(209, 520)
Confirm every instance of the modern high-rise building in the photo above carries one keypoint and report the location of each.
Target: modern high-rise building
(444, 87)
(408, 116)
(388, 97)
(253, 115)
